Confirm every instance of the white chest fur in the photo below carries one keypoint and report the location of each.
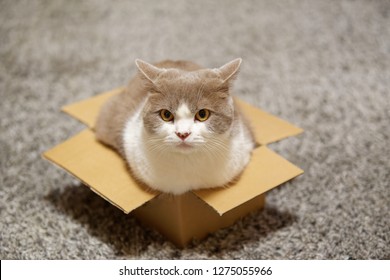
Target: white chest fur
(176, 173)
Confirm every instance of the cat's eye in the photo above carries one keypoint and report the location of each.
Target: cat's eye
(166, 115)
(202, 115)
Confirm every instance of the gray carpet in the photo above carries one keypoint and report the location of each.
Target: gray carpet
(323, 65)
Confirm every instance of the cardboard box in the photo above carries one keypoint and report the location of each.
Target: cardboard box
(191, 215)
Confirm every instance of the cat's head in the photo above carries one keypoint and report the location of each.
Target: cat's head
(188, 110)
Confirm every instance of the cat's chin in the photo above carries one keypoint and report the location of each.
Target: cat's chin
(184, 148)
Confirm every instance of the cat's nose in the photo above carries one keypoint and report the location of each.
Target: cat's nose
(182, 136)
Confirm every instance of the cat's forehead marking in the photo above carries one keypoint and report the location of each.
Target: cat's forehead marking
(183, 111)
(189, 77)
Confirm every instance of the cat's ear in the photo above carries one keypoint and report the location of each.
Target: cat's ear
(150, 71)
(229, 70)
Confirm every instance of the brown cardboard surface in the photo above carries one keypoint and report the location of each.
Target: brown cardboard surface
(267, 128)
(87, 110)
(265, 171)
(101, 169)
(186, 217)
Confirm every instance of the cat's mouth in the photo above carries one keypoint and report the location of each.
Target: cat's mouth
(184, 145)
(187, 146)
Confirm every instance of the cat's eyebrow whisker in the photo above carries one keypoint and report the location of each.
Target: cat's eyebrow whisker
(200, 91)
(164, 90)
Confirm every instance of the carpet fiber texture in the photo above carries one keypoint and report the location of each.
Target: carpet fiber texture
(322, 65)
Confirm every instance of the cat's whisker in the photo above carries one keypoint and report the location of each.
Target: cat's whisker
(218, 151)
(159, 150)
(222, 145)
(208, 153)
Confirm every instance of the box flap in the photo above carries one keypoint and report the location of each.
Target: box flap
(265, 171)
(87, 110)
(267, 128)
(101, 168)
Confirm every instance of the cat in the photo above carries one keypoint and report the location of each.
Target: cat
(178, 126)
